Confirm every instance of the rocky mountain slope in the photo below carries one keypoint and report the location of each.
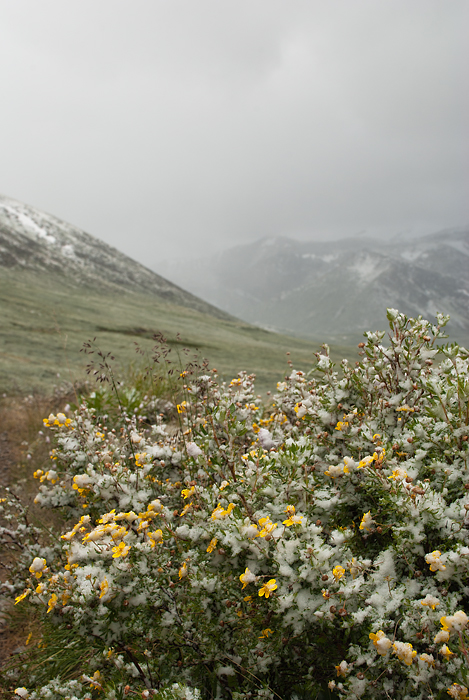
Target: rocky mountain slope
(338, 288)
(38, 242)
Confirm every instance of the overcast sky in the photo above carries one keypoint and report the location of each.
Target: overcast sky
(167, 127)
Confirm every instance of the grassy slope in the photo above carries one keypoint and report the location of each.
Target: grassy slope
(44, 325)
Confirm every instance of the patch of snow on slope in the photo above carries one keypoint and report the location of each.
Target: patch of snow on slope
(410, 255)
(366, 269)
(68, 251)
(28, 223)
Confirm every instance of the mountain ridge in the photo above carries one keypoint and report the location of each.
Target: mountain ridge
(36, 241)
(313, 288)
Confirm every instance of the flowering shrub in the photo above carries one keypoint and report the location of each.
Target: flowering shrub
(314, 547)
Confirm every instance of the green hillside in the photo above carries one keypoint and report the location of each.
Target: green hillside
(45, 321)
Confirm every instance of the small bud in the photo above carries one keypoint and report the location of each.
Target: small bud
(417, 574)
(260, 653)
(360, 676)
(324, 577)
(410, 439)
(333, 609)
(379, 530)
(318, 522)
(361, 345)
(222, 623)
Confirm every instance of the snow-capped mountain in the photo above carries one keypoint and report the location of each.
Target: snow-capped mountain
(337, 288)
(31, 240)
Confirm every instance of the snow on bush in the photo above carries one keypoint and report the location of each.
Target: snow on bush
(318, 544)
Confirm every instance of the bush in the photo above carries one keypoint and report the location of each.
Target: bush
(314, 547)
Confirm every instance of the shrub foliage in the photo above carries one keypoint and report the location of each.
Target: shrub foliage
(313, 546)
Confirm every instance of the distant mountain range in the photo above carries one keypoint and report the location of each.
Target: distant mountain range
(38, 242)
(336, 289)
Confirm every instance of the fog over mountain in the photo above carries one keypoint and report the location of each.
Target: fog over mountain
(167, 128)
(332, 289)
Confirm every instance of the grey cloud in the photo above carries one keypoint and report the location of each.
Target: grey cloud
(170, 127)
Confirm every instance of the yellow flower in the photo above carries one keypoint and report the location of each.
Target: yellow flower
(428, 658)
(454, 623)
(367, 522)
(38, 566)
(456, 691)
(181, 407)
(265, 633)
(183, 571)
(187, 492)
(21, 597)
(338, 572)
(398, 474)
(139, 457)
(268, 587)
(341, 425)
(155, 537)
(430, 601)
(446, 652)
(53, 600)
(293, 520)
(404, 652)
(246, 578)
(434, 560)
(212, 545)
(381, 642)
(267, 526)
(219, 513)
(104, 587)
(342, 668)
(366, 461)
(121, 550)
(441, 636)
(107, 517)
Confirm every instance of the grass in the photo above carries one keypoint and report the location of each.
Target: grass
(44, 324)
